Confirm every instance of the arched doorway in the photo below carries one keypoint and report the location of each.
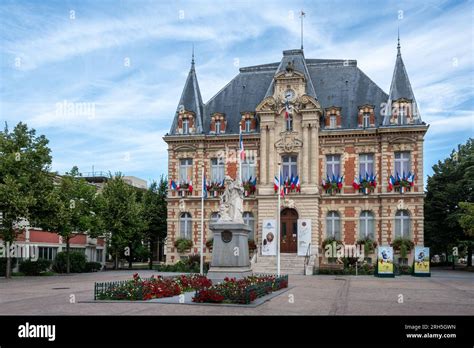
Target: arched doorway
(288, 231)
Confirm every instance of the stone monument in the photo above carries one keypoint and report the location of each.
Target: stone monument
(230, 251)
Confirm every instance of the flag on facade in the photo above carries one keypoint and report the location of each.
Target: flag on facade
(241, 145)
(173, 185)
(287, 109)
(276, 184)
(391, 182)
(292, 182)
(297, 183)
(190, 187)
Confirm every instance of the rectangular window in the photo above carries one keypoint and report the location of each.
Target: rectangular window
(76, 250)
(248, 125)
(98, 255)
(366, 164)
(332, 121)
(218, 127)
(366, 120)
(217, 169)
(249, 167)
(185, 126)
(333, 165)
(185, 169)
(402, 162)
(290, 167)
(48, 253)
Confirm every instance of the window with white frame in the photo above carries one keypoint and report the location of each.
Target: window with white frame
(333, 225)
(289, 123)
(402, 162)
(366, 120)
(289, 166)
(249, 167)
(185, 126)
(248, 125)
(185, 226)
(217, 169)
(249, 220)
(185, 169)
(48, 253)
(402, 224)
(402, 114)
(367, 225)
(78, 250)
(333, 165)
(218, 127)
(366, 164)
(332, 121)
(99, 254)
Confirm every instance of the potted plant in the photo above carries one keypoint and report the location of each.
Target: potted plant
(369, 245)
(402, 246)
(182, 245)
(210, 243)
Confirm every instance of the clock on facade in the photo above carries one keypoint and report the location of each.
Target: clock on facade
(290, 94)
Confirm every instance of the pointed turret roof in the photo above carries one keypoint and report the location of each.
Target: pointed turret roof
(401, 86)
(190, 100)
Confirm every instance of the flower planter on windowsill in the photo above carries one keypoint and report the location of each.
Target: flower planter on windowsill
(215, 193)
(184, 193)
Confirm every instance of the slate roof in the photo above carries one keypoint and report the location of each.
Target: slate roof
(333, 82)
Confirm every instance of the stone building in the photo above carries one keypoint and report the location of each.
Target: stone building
(348, 152)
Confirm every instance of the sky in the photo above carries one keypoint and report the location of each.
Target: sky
(102, 79)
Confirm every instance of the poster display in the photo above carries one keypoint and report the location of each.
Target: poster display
(269, 234)
(385, 261)
(421, 261)
(304, 236)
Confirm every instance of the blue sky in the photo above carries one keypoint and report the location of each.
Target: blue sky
(129, 60)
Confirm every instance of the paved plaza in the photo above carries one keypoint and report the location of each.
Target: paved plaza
(445, 293)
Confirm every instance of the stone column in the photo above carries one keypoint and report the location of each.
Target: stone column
(263, 155)
(306, 160)
(314, 155)
(271, 152)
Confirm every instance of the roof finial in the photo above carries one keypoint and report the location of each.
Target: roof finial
(398, 45)
(302, 15)
(192, 59)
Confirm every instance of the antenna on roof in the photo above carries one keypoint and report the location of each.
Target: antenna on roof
(302, 15)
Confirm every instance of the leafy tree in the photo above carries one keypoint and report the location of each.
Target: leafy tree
(71, 210)
(155, 214)
(25, 180)
(466, 220)
(121, 214)
(451, 183)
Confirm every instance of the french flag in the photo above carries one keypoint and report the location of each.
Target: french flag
(173, 185)
(287, 109)
(190, 188)
(276, 184)
(241, 145)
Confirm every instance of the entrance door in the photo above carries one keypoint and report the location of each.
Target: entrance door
(289, 231)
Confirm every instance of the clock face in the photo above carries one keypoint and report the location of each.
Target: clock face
(289, 94)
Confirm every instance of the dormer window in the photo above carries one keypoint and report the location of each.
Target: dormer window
(186, 126)
(333, 117)
(366, 117)
(248, 125)
(402, 112)
(218, 123)
(332, 121)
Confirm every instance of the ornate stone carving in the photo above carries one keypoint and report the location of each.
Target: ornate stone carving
(231, 203)
(288, 203)
(288, 143)
(267, 104)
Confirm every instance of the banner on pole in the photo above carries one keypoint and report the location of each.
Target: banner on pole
(304, 236)
(422, 261)
(269, 243)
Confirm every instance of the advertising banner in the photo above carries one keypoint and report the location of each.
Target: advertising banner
(304, 236)
(385, 261)
(422, 261)
(269, 242)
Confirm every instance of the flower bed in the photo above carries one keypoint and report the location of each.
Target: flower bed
(139, 289)
(242, 291)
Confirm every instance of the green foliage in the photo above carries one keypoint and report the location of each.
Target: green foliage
(403, 245)
(182, 245)
(77, 262)
(451, 183)
(190, 264)
(402, 269)
(3, 265)
(466, 217)
(330, 240)
(24, 179)
(34, 268)
(92, 267)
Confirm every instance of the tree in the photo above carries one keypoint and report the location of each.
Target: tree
(71, 210)
(25, 180)
(155, 214)
(466, 220)
(451, 183)
(121, 215)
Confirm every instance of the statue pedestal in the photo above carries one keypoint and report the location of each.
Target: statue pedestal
(230, 251)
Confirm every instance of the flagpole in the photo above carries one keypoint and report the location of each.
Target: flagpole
(201, 270)
(278, 221)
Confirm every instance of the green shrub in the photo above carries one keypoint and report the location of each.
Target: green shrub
(77, 262)
(183, 245)
(93, 266)
(34, 268)
(3, 265)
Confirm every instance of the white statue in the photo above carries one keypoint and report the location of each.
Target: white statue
(231, 206)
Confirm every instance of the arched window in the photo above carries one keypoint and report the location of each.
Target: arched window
(249, 220)
(185, 225)
(366, 225)
(333, 225)
(402, 224)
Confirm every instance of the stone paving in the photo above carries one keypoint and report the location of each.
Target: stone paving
(445, 293)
